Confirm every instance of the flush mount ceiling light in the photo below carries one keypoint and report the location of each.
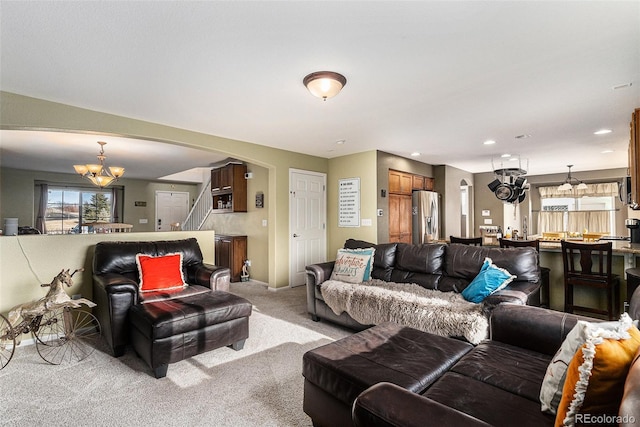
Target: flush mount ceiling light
(602, 132)
(570, 181)
(324, 84)
(98, 174)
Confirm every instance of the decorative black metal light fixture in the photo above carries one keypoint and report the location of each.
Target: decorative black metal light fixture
(510, 184)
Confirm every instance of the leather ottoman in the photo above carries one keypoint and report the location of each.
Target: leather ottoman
(172, 329)
(335, 374)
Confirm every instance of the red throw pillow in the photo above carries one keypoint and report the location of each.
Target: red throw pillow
(160, 273)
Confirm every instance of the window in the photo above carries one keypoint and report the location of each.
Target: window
(574, 212)
(68, 208)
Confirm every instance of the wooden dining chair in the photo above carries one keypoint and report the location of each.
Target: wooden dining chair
(473, 241)
(589, 265)
(545, 272)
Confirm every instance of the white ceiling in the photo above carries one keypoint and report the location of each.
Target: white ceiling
(438, 78)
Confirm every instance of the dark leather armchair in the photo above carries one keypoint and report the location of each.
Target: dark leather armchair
(115, 281)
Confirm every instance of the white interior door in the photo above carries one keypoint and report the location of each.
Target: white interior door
(171, 207)
(307, 222)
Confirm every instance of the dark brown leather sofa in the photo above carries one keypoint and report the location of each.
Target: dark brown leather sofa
(397, 376)
(448, 268)
(165, 327)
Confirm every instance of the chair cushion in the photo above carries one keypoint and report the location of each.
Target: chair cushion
(173, 316)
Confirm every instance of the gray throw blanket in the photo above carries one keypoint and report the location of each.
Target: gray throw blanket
(408, 304)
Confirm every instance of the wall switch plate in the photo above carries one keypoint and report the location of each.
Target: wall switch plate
(264, 222)
(143, 221)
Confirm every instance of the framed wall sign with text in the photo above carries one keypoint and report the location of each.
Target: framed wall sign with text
(349, 202)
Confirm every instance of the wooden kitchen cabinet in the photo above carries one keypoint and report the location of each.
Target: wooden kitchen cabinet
(428, 184)
(401, 185)
(231, 252)
(229, 188)
(400, 218)
(400, 182)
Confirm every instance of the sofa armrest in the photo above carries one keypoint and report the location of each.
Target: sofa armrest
(518, 292)
(212, 276)
(114, 294)
(386, 404)
(533, 328)
(316, 274)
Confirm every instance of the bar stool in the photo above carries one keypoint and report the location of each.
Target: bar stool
(472, 241)
(545, 299)
(592, 274)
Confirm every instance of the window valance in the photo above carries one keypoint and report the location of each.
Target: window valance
(592, 190)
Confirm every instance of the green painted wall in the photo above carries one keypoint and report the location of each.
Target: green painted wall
(21, 112)
(363, 166)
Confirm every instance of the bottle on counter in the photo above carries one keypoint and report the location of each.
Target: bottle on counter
(507, 234)
(499, 233)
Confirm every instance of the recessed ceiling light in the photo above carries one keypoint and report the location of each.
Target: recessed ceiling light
(506, 155)
(489, 142)
(415, 154)
(602, 132)
(606, 152)
(341, 141)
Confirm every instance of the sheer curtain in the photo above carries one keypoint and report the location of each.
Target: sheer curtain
(578, 221)
(41, 224)
(551, 221)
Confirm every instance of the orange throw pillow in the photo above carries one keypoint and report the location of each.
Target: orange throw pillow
(161, 273)
(596, 376)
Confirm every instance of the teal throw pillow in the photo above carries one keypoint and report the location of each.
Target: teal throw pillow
(490, 279)
(353, 265)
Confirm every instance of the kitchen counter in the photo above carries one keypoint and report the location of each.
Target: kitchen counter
(620, 247)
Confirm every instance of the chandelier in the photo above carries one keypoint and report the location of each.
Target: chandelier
(570, 181)
(98, 174)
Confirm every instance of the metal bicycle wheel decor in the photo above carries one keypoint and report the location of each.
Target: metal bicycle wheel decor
(66, 335)
(7, 341)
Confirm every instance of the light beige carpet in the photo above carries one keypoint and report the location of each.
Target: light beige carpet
(261, 385)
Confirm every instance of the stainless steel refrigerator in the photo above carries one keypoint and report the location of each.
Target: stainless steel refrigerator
(425, 214)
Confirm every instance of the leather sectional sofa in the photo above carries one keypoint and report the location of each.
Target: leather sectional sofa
(397, 376)
(445, 267)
